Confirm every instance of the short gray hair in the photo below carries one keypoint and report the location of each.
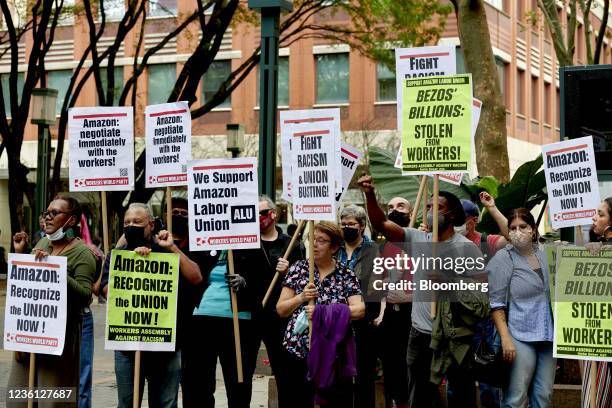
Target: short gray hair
(271, 204)
(142, 206)
(356, 212)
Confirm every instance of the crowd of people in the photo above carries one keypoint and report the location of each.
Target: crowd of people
(323, 338)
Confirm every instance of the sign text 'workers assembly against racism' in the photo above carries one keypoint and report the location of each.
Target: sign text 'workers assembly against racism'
(437, 135)
(571, 181)
(295, 121)
(223, 204)
(101, 156)
(35, 314)
(168, 148)
(142, 299)
(583, 311)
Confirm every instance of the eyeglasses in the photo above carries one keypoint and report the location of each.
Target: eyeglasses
(321, 241)
(52, 214)
(265, 211)
(350, 224)
(181, 212)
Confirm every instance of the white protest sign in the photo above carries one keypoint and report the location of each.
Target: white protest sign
(350, 158)
(418, 62)
(35, 314)
(293, 121)
(223, 204)
(101, 148)
(571, 181)
(455, 178)
(168, 144)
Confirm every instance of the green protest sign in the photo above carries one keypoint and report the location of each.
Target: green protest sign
(142, 298)
(551, 257)
(583, 307)
(437, 120)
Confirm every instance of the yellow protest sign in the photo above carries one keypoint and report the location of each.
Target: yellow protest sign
(436, 132)
(583, 307)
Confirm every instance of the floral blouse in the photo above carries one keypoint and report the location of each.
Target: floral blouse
(337, 287)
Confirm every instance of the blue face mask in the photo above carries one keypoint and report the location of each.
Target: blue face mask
(301, 323)
(59, 233)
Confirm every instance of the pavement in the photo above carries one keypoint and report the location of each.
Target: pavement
(104, 387)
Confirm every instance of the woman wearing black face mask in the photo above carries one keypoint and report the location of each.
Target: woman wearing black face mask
(358, 253)
(61, 219)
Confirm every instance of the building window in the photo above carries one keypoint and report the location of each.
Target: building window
(213, 78)
(118, 87)
(59, 80)
(162, 78)
(520, 92)
(6, 92)
(332, 78)
(385, 84)
(547, 104)
(558, 103)
(498, 4)
(520, 10)
(162, 8)
(535, 99)
(113, 10)
(283, 82)
(503, 81)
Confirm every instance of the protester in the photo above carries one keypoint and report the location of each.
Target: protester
(490, 243)
(61, 239)
(600, 233)
(333, 283)
(162, 370)
(395, 315)
(267, 260)
(519, 295)
(357, 252)
(422, 390)
(212, 335)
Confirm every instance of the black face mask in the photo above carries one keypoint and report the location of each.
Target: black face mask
(350, 234)
(179, 225)
(134, 235)
(400, 218)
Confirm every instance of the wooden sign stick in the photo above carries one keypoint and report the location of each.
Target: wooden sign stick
(234, 299)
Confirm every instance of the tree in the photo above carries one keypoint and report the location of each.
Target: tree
(368, 29)
(491, 139)
(565, 44)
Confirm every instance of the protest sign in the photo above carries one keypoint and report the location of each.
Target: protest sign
(350, 158)
(571, 181)
(168, 144)
(223, 202)
(437, 135)
(296, 120)
(35, 314)
(315, 156)
(583, 311)
(551, 258)
(420, 62)
(142, 298)
(101, 148)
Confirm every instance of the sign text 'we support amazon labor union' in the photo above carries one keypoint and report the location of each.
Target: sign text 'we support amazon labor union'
(437, 136)
(223, 204)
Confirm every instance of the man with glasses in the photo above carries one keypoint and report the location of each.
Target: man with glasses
(267, 260)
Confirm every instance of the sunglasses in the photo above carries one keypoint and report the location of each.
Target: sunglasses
(265, 212)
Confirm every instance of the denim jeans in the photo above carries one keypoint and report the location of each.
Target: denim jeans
(162, 370)
(532, 375)
(86, 359)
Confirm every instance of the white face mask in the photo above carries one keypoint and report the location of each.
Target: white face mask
(521, 239)
(462, 229)
(59, 234)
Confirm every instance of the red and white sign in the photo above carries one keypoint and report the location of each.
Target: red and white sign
(35, 314)
(223, 204)
(101, 155)
(168, 144)
(571, 181)
(350, 158)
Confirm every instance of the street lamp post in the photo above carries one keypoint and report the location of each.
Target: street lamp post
(43, 115)
(235, 138)
(268, 84)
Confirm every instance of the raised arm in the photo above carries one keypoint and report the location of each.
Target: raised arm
(500, 219)
(391, 231)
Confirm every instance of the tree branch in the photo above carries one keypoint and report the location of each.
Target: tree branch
(602, 32)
